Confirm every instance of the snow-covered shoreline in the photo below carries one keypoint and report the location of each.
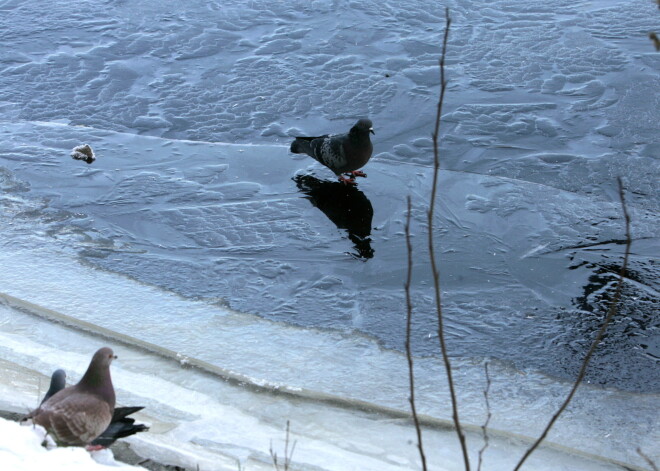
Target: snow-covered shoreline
(197, 419)
(21, 450)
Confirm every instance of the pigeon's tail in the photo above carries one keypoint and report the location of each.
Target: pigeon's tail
(302, 145)
(120, 427)
(123, 412)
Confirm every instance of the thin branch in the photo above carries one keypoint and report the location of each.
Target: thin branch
(273, 456)
(599, 336)
(287, 455)
(484, 427)
(648, 460)
(434, 267)
(409, 355)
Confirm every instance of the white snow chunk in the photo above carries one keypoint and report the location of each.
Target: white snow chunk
(21, 450)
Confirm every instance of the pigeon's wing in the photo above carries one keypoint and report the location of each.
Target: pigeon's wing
(75, 418)
(303, 145)
(330, 151)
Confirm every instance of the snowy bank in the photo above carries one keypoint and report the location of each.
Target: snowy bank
(201, 421)
(21, 450)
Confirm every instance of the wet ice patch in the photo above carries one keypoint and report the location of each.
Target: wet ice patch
(505, 122)
(478, 203)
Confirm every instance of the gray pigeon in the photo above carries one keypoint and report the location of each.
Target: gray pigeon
(78, 414)
(57, 383)
(341, 153)
(121, 425)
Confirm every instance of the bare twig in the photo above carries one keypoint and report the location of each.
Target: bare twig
(409, 355)
(655, 40)
(484, 427)
(608, 318)
(434, 267)
(648, 460)
(287, 455)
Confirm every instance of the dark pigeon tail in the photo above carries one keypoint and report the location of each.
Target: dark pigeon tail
(121, 426)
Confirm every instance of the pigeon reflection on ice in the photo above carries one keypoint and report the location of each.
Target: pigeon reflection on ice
(61, 415)
(346, 206)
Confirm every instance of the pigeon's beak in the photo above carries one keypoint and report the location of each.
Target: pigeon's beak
(371, 130)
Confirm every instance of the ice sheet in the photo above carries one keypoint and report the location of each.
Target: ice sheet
(249, 261)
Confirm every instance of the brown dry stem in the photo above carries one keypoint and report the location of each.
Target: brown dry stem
(611, 312)
(409, 354)
(432, 257)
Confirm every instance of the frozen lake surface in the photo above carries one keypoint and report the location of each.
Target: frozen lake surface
(196, 231)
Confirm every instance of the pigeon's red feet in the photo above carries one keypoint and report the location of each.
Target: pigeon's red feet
(94, 447)
(347, 181)
(358, 173)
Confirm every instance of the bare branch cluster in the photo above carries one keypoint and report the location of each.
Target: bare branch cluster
(436, 284)
(287, 454)
(436, 274)
(599, 336)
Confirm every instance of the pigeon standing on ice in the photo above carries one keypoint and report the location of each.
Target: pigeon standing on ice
(84, 153)
(121, 425)
(341, 153)
(78, 414)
